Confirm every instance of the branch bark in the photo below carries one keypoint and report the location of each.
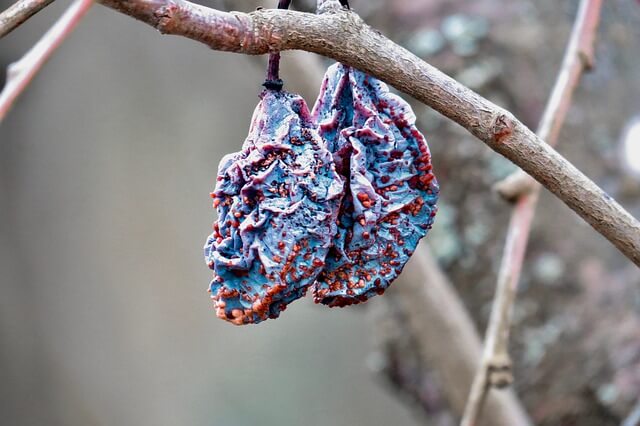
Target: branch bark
(18, 13)
(20, 73)
(495, 368)
(343, 36)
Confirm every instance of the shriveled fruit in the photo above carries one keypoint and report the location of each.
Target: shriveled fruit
(390, 190)
(277, 202)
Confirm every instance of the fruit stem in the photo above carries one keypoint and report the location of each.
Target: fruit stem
(273, 81)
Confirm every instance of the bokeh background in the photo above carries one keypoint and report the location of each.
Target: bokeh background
(106, 163)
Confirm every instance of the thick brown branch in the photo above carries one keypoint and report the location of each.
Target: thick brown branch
(495, 368)
(20, 74)
(343, 36)
(18, 13)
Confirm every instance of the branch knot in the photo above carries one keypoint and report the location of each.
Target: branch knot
(502, 128)
(166, 17)
(499, 373)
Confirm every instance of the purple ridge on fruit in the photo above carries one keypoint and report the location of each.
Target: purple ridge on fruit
(277, 201)
(390, 190)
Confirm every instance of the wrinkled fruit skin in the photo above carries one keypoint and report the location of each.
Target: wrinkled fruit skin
(390, 190)
(277, 202)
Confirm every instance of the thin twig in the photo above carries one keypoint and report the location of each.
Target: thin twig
(20, 73)
(495, 369)
(343, 36)
(18, 13)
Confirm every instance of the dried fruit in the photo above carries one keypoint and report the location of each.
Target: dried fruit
(277, 202)
(390, 190)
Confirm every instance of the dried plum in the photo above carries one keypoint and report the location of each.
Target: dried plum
(390, 190)
(277, 201)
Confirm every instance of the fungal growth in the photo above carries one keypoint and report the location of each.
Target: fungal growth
(390, 190)
(277, 202)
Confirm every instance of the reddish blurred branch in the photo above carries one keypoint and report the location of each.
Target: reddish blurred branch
(18, 13)
(495, 369)
(343, 36)
(20, 73)
(444, 334)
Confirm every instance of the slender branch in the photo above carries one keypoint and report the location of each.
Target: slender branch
(495, 369)
(20, 74)
(343, 36)
(18, 13)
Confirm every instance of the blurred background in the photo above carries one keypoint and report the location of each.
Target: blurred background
(106, 163)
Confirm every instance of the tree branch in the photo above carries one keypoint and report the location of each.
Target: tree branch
(495, 369)
(20, 73)
(18, 13)
(343, 36)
